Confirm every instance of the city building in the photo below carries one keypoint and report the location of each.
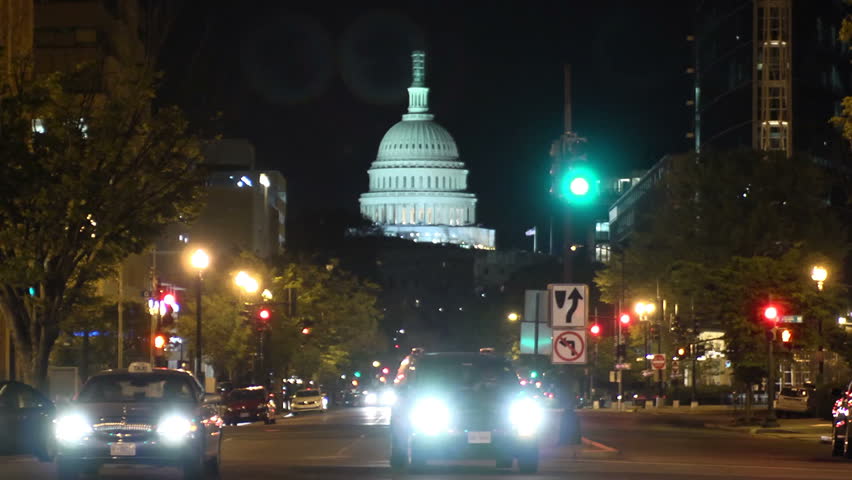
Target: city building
(768, 74)
(418, 183)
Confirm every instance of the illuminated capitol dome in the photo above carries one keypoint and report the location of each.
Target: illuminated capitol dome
(417, 182)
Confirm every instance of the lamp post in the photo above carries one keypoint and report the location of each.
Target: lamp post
(643, 309)
(819, 274)
(199, 261)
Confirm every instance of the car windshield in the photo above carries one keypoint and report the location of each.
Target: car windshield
(254, 394)
(465, 373)
(136, 387)
(307, 393)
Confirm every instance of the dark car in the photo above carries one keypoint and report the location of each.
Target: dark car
(459, 406)
(26, 421)
(140, 415)
(250, 404)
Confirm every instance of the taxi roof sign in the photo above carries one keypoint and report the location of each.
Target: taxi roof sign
(140, 367)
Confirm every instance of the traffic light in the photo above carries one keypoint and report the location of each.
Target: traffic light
(264, 314)
(624, 319)
(579, 185)
(621, 351)
(533, 374)
(357, 374)
(386, 370)
(787, 337)
(770, 313)
(160, 342)
(595, 329)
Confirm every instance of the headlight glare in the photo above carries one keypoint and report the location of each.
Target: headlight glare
(430, 416)
(174, 428)
(526, 416)
(72, 428)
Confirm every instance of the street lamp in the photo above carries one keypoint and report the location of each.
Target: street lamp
(199, 261)
(513, 317)
(246, 282)
(819, 274)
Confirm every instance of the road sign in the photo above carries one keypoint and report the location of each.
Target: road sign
(545, 341)
(675, 367)
(569, 347)
(622, 366)
(568, 305)
(535, 306)
(791, 319)
(659, 361)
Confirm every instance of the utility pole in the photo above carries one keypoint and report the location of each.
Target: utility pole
(120, 360)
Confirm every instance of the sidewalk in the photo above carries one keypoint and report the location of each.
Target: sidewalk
(726, 417)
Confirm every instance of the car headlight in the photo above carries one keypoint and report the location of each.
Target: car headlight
(371, 399)
(72, 428)
(430, 416)
(526, 416)
(175, 428)
(388, 397)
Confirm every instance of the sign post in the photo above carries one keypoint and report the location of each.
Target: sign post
(658, 362)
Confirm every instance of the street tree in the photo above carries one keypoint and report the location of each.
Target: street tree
(340, 310)
(88, 177)
(729, 232)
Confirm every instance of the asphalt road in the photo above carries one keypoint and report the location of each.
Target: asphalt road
(352, 444)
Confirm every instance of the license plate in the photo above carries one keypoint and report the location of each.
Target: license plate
(122, 449)
(244, 414)
(478, 437)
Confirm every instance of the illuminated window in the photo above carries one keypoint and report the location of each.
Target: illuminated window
(602, 253)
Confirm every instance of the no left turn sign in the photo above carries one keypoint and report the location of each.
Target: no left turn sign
(569, 346)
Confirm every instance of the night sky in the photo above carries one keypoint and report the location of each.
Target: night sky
(316, 86)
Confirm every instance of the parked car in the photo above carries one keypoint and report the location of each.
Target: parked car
(795, 401)
(26, 421)
(250, 404)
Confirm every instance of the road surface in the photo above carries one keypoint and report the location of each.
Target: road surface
(352, 444)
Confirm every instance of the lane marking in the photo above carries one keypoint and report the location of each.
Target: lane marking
(714, 465)
(598, 445)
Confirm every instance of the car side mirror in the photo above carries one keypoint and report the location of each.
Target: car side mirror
(212, 398)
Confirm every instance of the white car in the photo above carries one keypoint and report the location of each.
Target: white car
(308, 400)
(794, 401)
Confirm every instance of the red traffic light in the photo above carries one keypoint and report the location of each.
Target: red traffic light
(786, 336)
(264, 314)
(159, 341)
(386, 370)
(595, 329)
(624, 319)
(306, 331)
(770, 313)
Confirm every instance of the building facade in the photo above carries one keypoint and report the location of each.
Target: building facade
(418, 184)
(768, 74)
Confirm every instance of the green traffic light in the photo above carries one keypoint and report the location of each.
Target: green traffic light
(533, 374)
(579, 185)
(358, 374)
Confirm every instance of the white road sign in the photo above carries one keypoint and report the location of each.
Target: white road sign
(569, 347)
(568, 305)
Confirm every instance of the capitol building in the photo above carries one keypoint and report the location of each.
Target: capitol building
(418, 185)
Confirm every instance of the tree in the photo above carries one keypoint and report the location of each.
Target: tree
(339, 308)
(87, 179)
(844, 120)
(729, 231)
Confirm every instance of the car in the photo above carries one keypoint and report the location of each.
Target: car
(140, 415)
(795, 401)
(461, 406)
(249, 404)
(308, 400)
(26, 420)
(384, 397)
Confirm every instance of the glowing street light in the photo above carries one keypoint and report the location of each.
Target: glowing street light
(199, 260)
(513, 317)
(377, 364)
(819, 274)
(643, 309)
(266, 294)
